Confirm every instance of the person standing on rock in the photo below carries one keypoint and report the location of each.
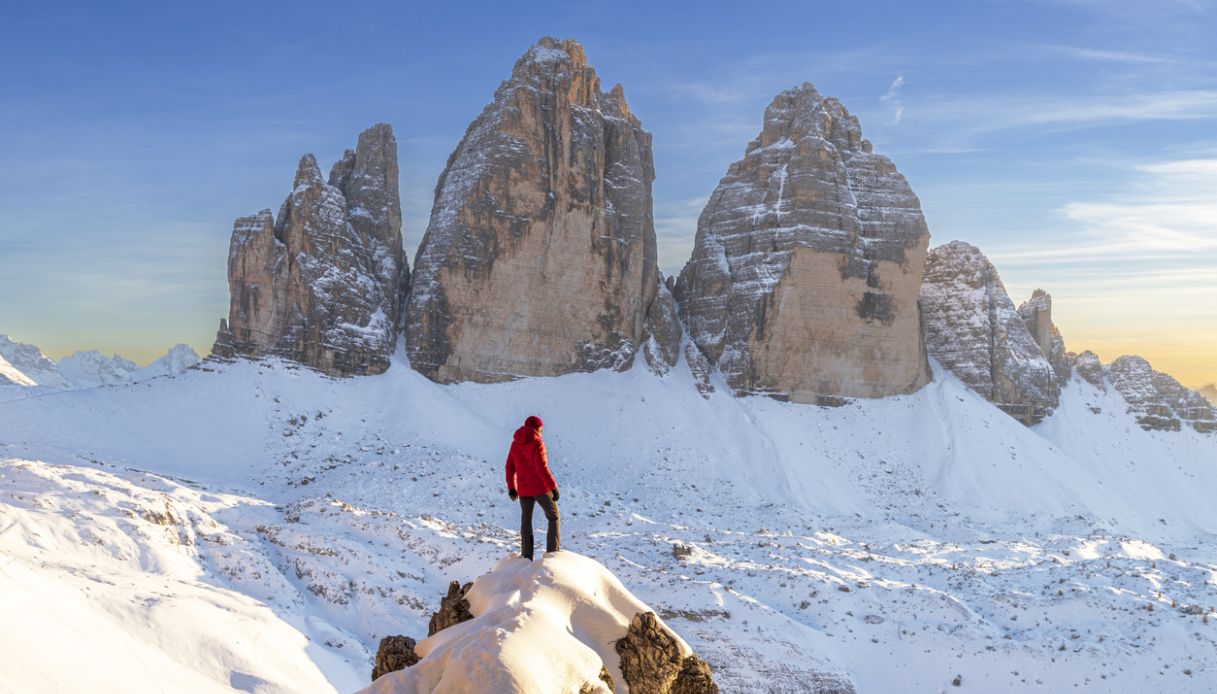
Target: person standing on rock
(530, 481)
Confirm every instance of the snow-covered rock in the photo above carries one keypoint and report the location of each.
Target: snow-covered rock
(179, 358)
(33, 364)
(89, 369)
(323, 283)
(807, 261)
(663, 331)
(11, 375)
(1037, 315)
(551, 625)
(540, 256)
(1158, 400)
(1090, 369)
(974, 331)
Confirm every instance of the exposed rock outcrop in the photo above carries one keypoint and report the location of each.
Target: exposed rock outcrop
(453, 608)
(539, 258)
(323, 282)
(652, 661)
(807, 262)
(1037, 315)
(663, 332)
(1159, 402)
(394, 653)
(1089, 367)
(974, 331)
(1209, 392)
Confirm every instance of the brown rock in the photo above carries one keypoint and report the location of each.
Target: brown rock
(453, 609)
(395, 653)
(807, 262)
(322, 284)
(540, 255)
(652, 661)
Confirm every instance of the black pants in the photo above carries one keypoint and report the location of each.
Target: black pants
(550, 507)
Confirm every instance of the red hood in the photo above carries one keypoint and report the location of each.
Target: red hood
(526, 435)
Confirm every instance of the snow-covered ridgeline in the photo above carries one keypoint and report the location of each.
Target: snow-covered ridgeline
(29, 366)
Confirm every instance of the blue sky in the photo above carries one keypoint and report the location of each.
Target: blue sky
(1074, 141)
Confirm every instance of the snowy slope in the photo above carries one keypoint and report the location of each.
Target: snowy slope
(896, 543)
(12, 376)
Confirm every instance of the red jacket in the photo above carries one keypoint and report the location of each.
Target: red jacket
(527, 467)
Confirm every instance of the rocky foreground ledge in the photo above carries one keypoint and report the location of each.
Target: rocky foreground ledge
(561, 624)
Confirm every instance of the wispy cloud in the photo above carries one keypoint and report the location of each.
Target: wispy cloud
(1113, 56)
(891, 98)
(961, 120)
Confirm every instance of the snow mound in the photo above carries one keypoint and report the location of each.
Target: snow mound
(543, 626)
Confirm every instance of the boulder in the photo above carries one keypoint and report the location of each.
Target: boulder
(453, 608)
(807, 262)
(394, 653)
(652, 661)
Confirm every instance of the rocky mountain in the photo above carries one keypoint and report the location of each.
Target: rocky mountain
(1158, 401)
(807, 262)
(540, 258)
(1090, 369)
(974, 331)
(31, 363)
(1036, 313)
(323, 282)
(1209, 392)
(28, 366)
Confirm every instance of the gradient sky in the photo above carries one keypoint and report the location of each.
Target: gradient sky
(1074, 141)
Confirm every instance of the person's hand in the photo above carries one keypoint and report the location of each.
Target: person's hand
(555, 493)
(512, 493)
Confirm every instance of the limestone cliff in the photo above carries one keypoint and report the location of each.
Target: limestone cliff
(1036, 313)
(806, 266)
(323, 282)
(539, 258)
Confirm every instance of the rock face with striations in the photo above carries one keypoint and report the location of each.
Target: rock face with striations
(1157, 400)
(1036, 313)
(540, 255)
(807, 262)
(974, 331)
(323, 283)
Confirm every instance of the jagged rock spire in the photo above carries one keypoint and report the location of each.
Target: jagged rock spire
(539, 258)
(323, 283)
(807, 262)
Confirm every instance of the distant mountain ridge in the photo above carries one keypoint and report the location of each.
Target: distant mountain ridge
(26, 365)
